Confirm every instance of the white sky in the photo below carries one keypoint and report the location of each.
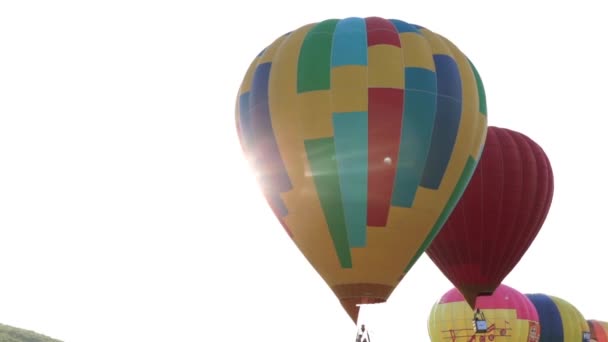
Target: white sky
(126, 211)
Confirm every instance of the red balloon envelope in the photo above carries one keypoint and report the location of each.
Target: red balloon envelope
(599, 330)
(498, 217)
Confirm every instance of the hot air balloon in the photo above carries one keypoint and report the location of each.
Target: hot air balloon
(509, 315)
(599, 330)
(560, 320)
(498, 216)
(363, 133)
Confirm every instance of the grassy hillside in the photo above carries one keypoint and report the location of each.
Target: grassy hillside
(12, 334)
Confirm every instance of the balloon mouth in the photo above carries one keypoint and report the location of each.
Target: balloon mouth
(472, 292)
(353, 295)
(352, 305)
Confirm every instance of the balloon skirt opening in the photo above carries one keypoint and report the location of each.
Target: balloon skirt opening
(353, 295)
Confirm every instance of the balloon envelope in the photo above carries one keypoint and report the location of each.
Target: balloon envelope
(560, 321)
(498, 216)
(599, 330)
(509, 314)
(363, 133)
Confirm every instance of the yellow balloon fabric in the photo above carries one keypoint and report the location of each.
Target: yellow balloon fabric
(510, 317)
(560, 321)
(574, 324)
(363, 133)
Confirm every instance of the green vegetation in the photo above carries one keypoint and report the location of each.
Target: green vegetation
(12, 334)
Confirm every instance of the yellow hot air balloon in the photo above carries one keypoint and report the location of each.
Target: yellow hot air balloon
(509, 315)
(560, 320)
(575, 325)
(363, 133)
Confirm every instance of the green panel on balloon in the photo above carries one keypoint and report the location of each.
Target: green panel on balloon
(483, 109)
(314, 63)
(321, 156)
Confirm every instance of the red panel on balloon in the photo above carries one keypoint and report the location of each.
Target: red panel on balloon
(384, 135)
